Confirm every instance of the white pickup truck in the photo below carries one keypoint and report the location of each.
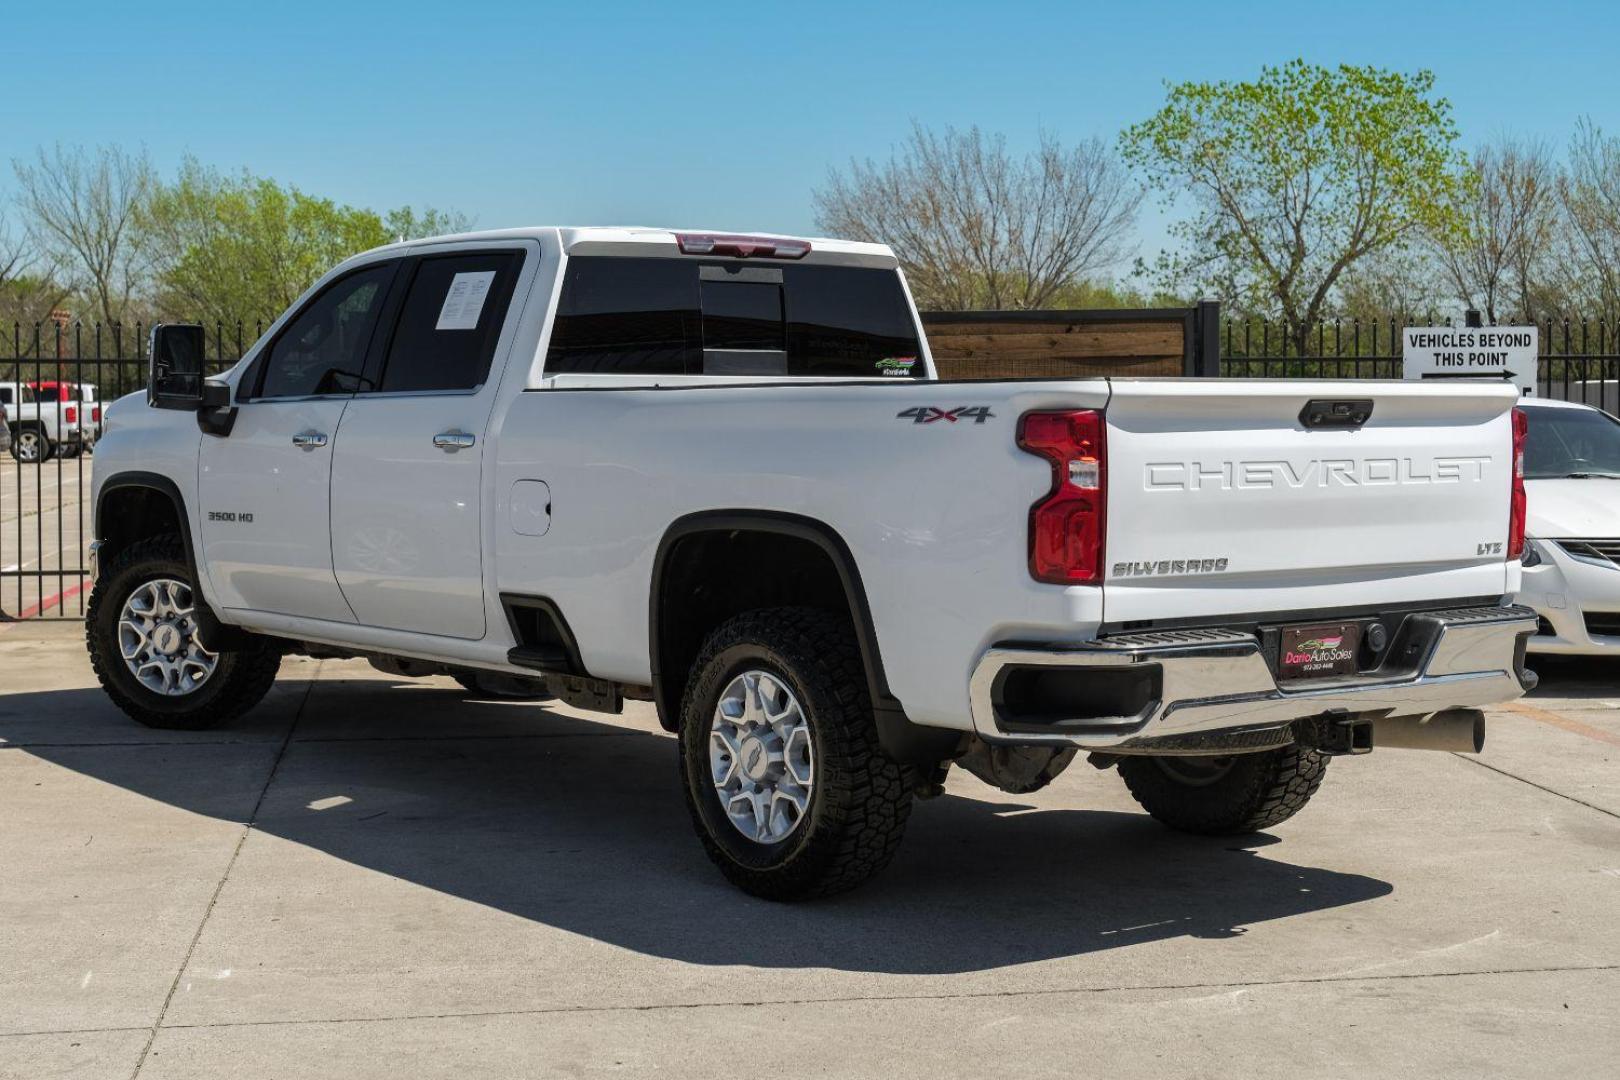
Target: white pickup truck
(44, 420)
(716, 472)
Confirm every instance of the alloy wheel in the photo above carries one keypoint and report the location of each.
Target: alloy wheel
(157, 636)
(761, 758)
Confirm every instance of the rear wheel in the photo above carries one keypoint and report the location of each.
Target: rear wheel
(30, 446)
(142, 631)
(789, 790)
(1226, 795)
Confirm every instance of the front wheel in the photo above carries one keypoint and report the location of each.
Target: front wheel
(1225, 795)
(789, 790)
(142, 632)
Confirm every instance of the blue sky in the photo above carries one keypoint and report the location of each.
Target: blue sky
(713, 114)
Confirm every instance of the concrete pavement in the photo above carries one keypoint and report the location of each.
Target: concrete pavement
(370, 876)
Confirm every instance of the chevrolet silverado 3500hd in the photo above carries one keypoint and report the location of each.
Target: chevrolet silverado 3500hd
(717, 472)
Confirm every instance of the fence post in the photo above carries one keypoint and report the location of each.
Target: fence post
(1203, 351)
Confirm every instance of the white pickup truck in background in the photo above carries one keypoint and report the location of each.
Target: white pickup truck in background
(717, 472)
(46, 419)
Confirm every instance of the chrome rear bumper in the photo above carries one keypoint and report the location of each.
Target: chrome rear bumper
(1219, 680)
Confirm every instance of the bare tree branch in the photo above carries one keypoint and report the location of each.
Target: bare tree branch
(977, 227)
(81, 208)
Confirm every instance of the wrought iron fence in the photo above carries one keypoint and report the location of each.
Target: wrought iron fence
(55, 384)
(1579, 361)
(56, 380)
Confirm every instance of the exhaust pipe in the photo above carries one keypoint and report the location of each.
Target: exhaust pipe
(1461, 731)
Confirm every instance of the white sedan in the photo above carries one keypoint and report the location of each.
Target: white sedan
(1572, 556)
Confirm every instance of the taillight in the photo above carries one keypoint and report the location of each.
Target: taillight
(742, 247)
(1516, 501)
(95, 414)
(1067, 527)
(71, 414)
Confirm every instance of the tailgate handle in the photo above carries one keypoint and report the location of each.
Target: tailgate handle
(1336, 413)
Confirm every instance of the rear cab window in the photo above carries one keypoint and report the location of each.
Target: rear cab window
(690, 316)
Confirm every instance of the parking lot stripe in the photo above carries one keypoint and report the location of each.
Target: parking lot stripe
(1574, 727)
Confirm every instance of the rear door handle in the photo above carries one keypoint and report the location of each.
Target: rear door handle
(309, 440)
(451, 441)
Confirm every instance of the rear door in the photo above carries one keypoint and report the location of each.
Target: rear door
(1222, 501)
(407, 481)
(264, 488)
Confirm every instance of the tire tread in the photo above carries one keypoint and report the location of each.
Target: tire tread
(248, 672)
(1268, 788)
(864, 794)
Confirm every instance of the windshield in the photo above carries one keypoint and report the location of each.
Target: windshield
(1571, 442)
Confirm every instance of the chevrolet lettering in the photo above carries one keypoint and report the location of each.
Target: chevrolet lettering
(1312, 472)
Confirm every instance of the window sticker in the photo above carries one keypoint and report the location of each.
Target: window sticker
(464, 301)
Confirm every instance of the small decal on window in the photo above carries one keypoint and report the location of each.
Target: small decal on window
(464, 301)
(896, 365)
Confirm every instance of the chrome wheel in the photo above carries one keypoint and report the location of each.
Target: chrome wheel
(28, 446)
(157, 635)
(760, 757)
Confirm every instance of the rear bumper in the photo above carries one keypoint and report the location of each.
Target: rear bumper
(1188, 683)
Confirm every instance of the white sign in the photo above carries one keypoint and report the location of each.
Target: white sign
(1472, 352)
(464, 300)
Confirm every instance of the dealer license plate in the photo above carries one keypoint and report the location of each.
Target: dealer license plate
(1316, 652)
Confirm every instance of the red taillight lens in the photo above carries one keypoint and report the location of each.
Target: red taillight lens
(1516, 500)
(1067, 527)
(71, 414)
(742, 247)
(95, 414)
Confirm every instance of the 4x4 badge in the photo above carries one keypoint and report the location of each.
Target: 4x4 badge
(927, 414)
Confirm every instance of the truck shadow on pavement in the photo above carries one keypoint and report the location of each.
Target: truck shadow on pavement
(1573, 676)
(581, 826)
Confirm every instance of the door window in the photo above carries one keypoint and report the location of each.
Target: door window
(323, 349)
(450, 322)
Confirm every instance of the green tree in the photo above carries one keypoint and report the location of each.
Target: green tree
(1295, 178)
(240, 248)
(408, 223)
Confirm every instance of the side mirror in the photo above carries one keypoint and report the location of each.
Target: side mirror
(175, 379)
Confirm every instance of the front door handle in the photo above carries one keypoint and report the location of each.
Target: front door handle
(309, 440)
(451, 441)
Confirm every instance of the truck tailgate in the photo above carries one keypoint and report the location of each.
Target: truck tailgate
(1221, 501)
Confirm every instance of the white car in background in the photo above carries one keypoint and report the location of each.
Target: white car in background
(1572, 554)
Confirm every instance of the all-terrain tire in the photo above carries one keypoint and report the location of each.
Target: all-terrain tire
(240, 679)
(859, 800)
(1256, 791)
